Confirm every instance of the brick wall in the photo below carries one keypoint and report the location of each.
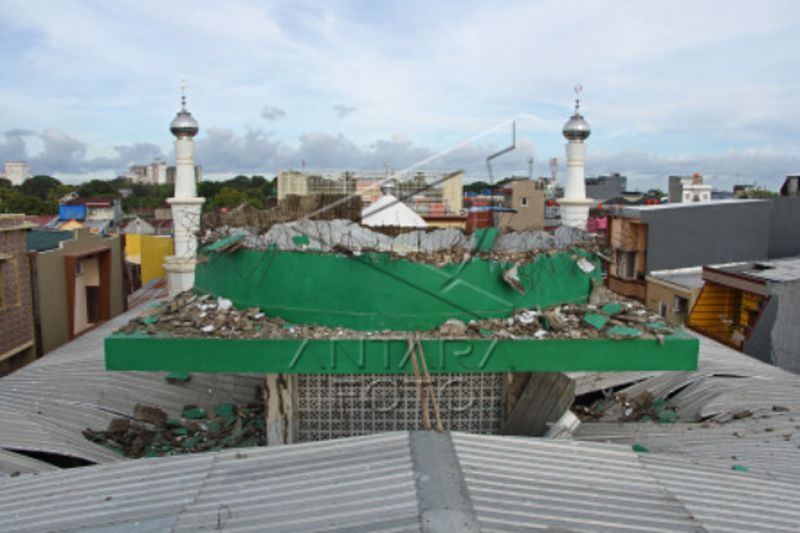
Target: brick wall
(16, 318)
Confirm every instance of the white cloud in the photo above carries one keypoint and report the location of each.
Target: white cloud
(271, 112)
(677, 80)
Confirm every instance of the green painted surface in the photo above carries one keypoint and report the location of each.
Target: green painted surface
(596, 320)
(366, 356)
(222, 243)
(624, 331)
(376, 291)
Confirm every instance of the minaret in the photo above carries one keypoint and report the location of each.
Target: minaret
(575, 205)
(185, 203)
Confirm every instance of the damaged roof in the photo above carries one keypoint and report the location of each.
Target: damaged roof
(734, 410)
(46, 405)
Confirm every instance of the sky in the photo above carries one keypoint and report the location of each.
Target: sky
(674, 87)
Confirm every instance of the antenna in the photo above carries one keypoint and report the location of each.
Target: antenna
(498, 154)
(184, 86)
(578, 91)
(530, 167)
(553, 168)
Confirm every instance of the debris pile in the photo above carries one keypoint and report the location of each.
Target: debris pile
(191, 315)
(150, 433)
(642, 408)
(434, 246)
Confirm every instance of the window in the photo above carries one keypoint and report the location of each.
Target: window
(626, 265)
(680, 304)
(524, 201)
(662, 309)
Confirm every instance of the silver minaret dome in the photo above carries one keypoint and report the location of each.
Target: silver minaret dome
(184, 124)
(576, 128)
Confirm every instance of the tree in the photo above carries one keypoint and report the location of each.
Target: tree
(39, 186)
(228, 197)
(13, 200)
(5, 184)
(476, 186)
(96, 188)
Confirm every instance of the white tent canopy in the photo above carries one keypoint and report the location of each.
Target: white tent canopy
(389, 211)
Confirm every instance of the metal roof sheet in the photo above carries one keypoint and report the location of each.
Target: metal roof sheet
(733, 410)
(46, 405)
(378, 483)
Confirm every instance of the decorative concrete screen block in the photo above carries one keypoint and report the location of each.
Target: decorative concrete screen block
(336, 406)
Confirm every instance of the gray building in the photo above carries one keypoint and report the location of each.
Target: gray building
(753, 306)
(603, 188)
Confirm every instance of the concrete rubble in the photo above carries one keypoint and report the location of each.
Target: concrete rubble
(191, 315)
(428, 245)
(151, 434)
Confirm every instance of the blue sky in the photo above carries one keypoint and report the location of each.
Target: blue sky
(89, 87)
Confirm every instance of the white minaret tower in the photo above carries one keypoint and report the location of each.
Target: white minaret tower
(575, 205)
(185, 204)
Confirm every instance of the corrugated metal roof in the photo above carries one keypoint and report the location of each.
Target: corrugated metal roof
(354, 483)
(376, 483)
(46, 405)
(523, 484)
(38, 240)
(713, 404)
(14, 463)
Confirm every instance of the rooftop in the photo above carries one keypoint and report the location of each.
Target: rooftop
(691, 278)
(775, 270)
(637, 210)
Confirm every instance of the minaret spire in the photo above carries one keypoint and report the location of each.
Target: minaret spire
(186, 205)
(184, 86)
(575, 206)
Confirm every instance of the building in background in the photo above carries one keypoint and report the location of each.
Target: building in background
(754, 307)
(603, 188)
(17, 338)
(16, 172)
(156, 173)
(685, 189)
(433, 194)
(101, 215)
(673, 293)
(668, 236)
(77, 283)
(525, 200)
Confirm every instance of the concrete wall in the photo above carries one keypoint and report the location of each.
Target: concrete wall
(661, 292)
(604, 188)
(528, 201)
(785, 337)
(704, 234)
(784, 227)
(453, 193)
(154, 249)
(52, 285)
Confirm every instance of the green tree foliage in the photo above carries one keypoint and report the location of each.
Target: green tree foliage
(39, 186)
(5, 184)
(235, 191)
(97, 189)
(13, 200)
(147, 196)
(476, 186)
